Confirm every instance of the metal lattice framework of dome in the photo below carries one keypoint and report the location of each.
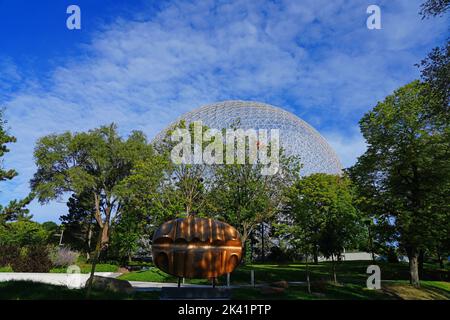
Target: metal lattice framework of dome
(296, 136)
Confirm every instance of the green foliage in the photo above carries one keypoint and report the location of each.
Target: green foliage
(79, 224)
(95, 162)
(435, 69)
(184, 190)
(404, 176)
(86, 268)
(16, 208)
(5, 139)
(7, 254)
(322, 215)
(434, 8)
(127, 232)
(33, 258)
(244, 197)
(23, 233)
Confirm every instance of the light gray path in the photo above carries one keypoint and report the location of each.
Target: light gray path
(61, 279)
(156, 286)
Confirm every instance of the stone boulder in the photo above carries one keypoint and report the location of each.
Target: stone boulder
(280, 284)
(272, 290)
(111, 284)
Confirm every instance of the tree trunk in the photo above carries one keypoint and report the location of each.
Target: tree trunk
(413, 256)
(105, 236)
(316, 256)
(307, 275)
(89, 238)
(440, 259)
(334, 269)
(262, 242)
(371, 246)
(420, 262)
(98, 249)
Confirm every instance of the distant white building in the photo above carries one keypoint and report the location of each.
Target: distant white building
(353, 256)
(363, 256)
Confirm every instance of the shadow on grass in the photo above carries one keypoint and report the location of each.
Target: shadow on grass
(28, 290)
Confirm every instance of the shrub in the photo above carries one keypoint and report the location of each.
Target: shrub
(32, 259)
(8, 253)
(62, 256)
(23, 233)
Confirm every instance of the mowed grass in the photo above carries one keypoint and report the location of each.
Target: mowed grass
(329, 291)
(347, 272)
(27, 290)
(351, 283)
(84, 268)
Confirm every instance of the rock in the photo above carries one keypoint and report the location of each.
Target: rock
(280, 284)
(111, 284)
(272, 290)
(123, 270)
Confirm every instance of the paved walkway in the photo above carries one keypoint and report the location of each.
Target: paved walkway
(61, 279)
(156, 286)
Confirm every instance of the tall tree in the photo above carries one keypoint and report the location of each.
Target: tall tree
(184, 189)
(434, 8)
(94, 162)
(79, 224)
(5, 139)
(405, 168)
(322, 215)
(16, 209)
(246, 198)
(143, 193)
(435, 68)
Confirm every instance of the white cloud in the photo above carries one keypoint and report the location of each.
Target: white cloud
(348, 147)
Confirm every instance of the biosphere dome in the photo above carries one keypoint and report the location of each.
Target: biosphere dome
(296, 136)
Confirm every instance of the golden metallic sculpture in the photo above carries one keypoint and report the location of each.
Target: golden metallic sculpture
(196, 248)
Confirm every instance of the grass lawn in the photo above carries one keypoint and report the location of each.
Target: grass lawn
(401, 290)
(84, 268)
(28, 290)
(347, 272)
(351, 277)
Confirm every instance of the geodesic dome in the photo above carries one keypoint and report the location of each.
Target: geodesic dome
(296, 136)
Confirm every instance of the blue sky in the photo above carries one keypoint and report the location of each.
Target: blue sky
(143, 63)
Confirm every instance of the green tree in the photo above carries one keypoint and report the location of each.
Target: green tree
(5, 139)
(125, 239)
(322, 215)
(16, 209)
(434, 8)
(246, 198)
(405, 169)
(79, 224)
(95, 162)
(23, 233)
(143, 196)
(184, 190)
